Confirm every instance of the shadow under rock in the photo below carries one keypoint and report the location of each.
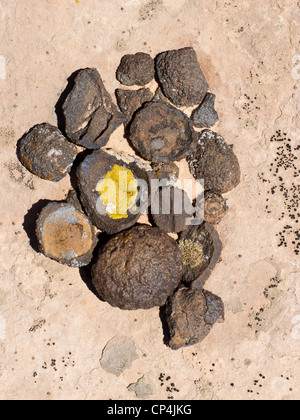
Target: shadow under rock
(165, 327)
(77, 162)
(30, 220)
(86, 272)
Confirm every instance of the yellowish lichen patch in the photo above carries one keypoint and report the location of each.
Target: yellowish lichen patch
(118, 191)
(192, 253)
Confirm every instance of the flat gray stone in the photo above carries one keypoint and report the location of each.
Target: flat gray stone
(118, 355)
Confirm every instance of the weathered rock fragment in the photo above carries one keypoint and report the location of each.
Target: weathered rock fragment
(201, 249)
(190, 315)
(166, 173)
(65, 234)
(138, 268)
(205, 116)
(46, 153)
(161, 133)
(90, 115)
(114, 189)
(215, 207)
(215, 162)
(172, 209)
(130, 101)
(180, 77)
(136, 69)
(118, 355)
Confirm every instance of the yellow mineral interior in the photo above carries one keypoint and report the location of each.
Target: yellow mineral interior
(118, 191)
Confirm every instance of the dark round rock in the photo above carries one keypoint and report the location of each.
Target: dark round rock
(65, 234)
(172, 209)
(112, 203)
(161, 133)
(215, 162)
(136, 69)
(190, 316)
(45, 152)
(138, 269)
(180, 77)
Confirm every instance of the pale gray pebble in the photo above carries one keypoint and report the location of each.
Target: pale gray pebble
(142, 388)
(118, 355)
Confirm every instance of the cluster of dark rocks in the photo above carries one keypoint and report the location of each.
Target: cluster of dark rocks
(138, 266)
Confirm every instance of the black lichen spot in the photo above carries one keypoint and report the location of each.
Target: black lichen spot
(282, 170)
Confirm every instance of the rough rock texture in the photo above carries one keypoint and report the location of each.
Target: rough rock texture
(205, 116)
(180, 77)
(215, 207)
(215, 162)
(65, 235)
(130, 101)
(167, 173)
(172, 209)
(45, 152)
(201, 249)
(138, 269)
(118, 355)
(104, 212)
(43, 42)
(90, 115)
(136, 69)
(161, 133)
(190, 315)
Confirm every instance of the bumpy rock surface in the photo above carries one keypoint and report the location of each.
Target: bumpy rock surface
(161, 133)
(215, 207)
(190, 316)
(201, 249)
(181, 78)
(167, 173)
(90, 115)
(172, 209)
(45, 152)
(130, 101)
(136, 69)
(215, 162)
(113, 207)
(138, 269)
(205, 116)
(65, 235)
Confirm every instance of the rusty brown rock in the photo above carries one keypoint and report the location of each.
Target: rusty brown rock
(190, 315)
(215, 162)
(65, 234)
(166, 173)
(161, 133)
(138, 268)
(215, 207)
(46, 153)
(180, 77)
